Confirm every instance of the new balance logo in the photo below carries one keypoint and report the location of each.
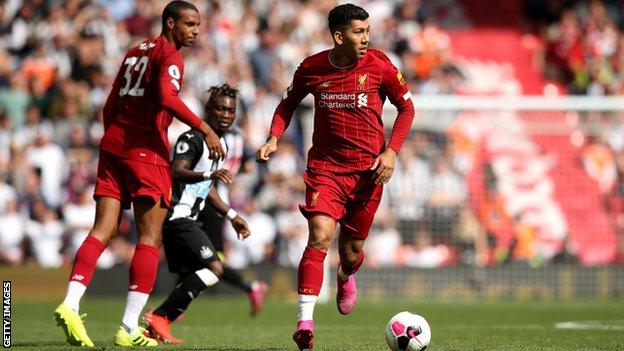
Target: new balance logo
(146, 46)
(205, 252)
(78, 277)
(133, 287)
(362, 100)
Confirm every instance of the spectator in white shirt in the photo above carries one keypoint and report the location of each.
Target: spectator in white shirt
(11, 233)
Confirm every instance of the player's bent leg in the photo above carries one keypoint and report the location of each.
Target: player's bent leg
(351, 258)
(72, 325)
(354, 229)
(178, 301)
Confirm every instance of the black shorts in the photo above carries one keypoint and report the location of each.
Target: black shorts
(212, 223)
(187, 247)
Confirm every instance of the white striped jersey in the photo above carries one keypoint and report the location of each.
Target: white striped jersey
(233, 160)
(189, 199)
(234, 141)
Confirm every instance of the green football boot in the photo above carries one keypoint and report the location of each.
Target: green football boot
(123, 338)
(71, 323)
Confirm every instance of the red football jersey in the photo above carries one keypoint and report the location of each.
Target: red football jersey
(143, 101)
(348, 130)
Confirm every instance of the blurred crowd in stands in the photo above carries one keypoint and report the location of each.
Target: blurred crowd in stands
(583, 45)
(58, 60)
(583, 51)
(603, 160)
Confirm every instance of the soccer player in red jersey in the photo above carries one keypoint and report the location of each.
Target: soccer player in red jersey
(134, 168)
(349, 160)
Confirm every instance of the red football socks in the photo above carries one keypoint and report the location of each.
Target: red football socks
(310, 271)
(143, 268)
(86, 259)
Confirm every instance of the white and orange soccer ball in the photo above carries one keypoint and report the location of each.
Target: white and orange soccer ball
(407, 331)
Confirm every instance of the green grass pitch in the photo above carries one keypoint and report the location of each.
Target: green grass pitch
(223, 324)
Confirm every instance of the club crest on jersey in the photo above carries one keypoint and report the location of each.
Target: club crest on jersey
(182, 147)
(205, 252)
(325, 85)
(400, 78)
(362, 81)
(314, 198)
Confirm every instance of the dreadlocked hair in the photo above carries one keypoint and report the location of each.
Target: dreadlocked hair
(217, 91)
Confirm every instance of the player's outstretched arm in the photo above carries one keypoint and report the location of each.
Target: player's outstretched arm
(238, 223)
(170, 80)
(187, 116)
(265, 151)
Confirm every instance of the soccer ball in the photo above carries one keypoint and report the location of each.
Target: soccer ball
(408, 331)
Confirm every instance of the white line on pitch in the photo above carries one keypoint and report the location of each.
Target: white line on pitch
(593, 325)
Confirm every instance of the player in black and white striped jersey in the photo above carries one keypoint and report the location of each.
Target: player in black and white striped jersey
(190, 253)
(235, 162)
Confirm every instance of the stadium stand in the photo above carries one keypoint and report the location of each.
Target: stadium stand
(473, 187)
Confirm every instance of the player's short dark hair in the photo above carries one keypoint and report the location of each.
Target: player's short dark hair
(224, 90)
(340, 17)
(173, 9)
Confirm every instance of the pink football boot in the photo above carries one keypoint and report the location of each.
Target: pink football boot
(256, 296)
(304, 336)
(346, 294)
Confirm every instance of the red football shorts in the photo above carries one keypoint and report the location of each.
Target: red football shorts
(350, 199)
(126, 180)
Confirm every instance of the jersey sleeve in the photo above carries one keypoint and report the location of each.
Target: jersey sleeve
(189, 147)
(170, 80)
(297, 90)
(396, 89)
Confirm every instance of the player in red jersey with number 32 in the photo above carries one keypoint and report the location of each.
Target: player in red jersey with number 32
(134, 168)
(349, 160)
